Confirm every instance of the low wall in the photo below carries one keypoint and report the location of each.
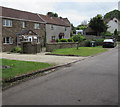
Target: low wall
(29, 48)
(52, 46)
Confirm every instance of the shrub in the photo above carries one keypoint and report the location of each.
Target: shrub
(70, 40)
(87, 43)
(16, 49)
(106, 34)
(78, 38)
(57, 40)
(99, 42)
(63, 40)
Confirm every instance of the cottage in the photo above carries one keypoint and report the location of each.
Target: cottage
(113, 24)
(18, 26)
(56, 28)
(16, 21)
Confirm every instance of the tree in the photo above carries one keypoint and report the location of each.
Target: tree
(112, 14)
(78, 38)
(51, 14)
(116, 34)
(97, 24)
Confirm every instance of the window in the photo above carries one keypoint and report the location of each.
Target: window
(8, 40)
(53, 37)
(36, 26)
(23, 24)
(7, 23)
(52, 27)
(65, 29)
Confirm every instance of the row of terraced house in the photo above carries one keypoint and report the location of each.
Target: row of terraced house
(18, 26)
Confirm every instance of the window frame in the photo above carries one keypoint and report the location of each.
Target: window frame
(7, 22)
(36, 25)
(10, 40)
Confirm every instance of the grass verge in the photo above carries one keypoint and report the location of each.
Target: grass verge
(82, 51)
(17, 68)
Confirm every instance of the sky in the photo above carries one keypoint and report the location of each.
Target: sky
(76, 11)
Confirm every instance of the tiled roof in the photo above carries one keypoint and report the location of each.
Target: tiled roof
(55, 20)
(12, 13)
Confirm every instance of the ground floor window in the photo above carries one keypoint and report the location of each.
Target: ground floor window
(53, 37)
(8, 40)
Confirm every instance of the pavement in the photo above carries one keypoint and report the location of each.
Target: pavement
(41, 57)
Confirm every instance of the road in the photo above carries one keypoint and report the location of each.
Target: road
(93, 81)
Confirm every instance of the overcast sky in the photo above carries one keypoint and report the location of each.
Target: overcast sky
(75, 10)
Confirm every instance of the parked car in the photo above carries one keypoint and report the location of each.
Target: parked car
(109, 43)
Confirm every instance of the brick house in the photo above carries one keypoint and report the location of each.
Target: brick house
(20, 26)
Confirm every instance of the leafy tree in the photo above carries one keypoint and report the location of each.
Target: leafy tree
(115, 32)
(51, 14)
(81, 27)
(78, 38)
(112, 14)
(97, 23)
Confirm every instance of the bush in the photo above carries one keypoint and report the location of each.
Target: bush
(99, 42)
(16, 50)
(63, 40)
(78, 38)
(106, 34)
(87, 43)
(57, 40)
(70, 40)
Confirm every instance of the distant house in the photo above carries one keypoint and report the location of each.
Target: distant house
(56, 28)
(79, 32)
(18, 26)
(89, 31)
(113, 24)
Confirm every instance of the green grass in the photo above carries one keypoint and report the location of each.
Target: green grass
(21, 67)
(82, 51)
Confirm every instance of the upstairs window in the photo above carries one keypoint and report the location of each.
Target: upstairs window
(65, 29)
(8, 40)
(36, 26)
(52, 27)
(7, 23)
(23, 24)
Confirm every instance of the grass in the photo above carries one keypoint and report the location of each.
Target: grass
(82, 51)
(21, 67)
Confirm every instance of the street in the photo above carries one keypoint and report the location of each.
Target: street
(93, 81)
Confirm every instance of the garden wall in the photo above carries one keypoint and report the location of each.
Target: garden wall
(52, 46)
(29, 48)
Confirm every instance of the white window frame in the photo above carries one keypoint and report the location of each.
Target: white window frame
(7, 23)
(36, 26)
(10, 40)
(23, 24)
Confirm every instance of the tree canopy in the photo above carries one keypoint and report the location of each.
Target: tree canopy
(112, 14)
(97, 23)
(51, 14)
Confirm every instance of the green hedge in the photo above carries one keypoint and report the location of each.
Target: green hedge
(16, 49)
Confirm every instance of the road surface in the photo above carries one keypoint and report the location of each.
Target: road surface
(93, 81)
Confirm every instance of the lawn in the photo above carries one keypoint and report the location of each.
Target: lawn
(20, 67)
(82, 51)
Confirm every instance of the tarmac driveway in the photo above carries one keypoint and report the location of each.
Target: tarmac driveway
(41, 57)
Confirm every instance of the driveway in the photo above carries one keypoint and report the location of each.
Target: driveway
(41, 57)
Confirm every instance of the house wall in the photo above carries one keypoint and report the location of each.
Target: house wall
(56, 31)
(16, 28)
(113, 25)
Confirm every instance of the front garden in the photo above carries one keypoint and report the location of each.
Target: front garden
(81, 51)
(14, 68)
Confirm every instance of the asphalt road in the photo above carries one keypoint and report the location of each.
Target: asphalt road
(93, 81)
